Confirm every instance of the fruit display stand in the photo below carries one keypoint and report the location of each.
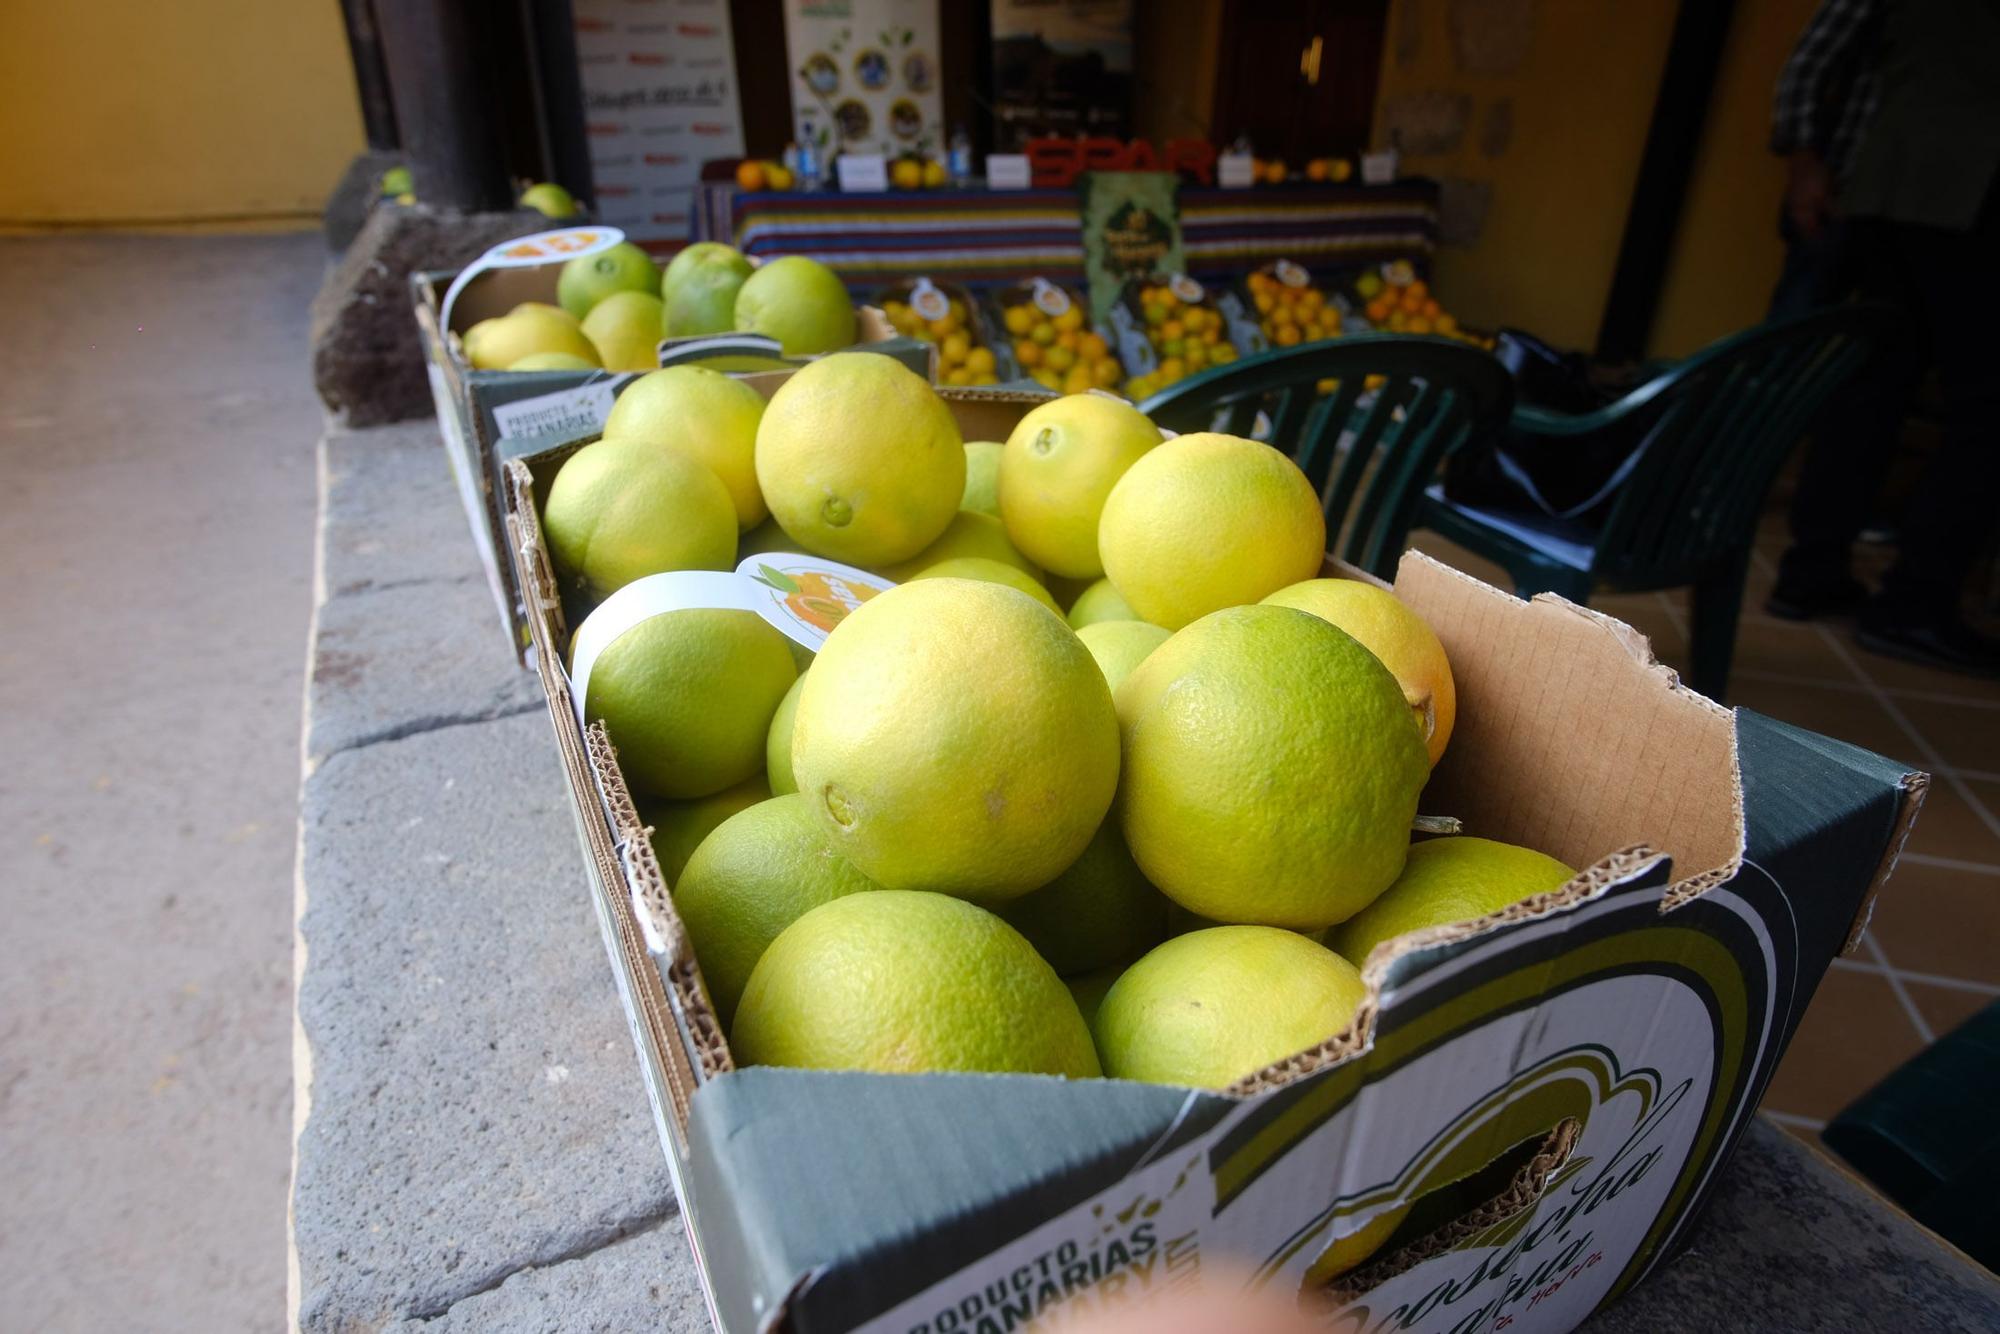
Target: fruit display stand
(485, 415)
(995, 236)
(1552, 1088)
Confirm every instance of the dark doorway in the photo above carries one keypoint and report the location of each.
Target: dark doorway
(1299, 78)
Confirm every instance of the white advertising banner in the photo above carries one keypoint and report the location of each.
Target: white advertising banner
(865, 76)
(659, 99)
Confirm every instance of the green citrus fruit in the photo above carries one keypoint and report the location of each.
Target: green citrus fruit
(622, 509)
(860, 460)
(982, 478)
(549, 199)
(705, 302)
(955, 736)
(1088, 990)
(778, 742)
(700, 257)
(588, 279)
(1211, 1007)
(1271, 769)
(687, 698)
(1206, 522)
(987, 571)
(625, 328)
(1395, 634)
(968, 534)
(903, 982)
(800, 302)
(1120, 646)
(680, 826)
(1098, 912)
(1100, 602)
(760, 871)
(705, 415)
(1060, 463)
(1448, 880)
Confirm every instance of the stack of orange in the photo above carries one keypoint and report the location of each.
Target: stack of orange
(1292, 312)
(1189, 336)
(1057, 351)
(962, 359)
(1408, 308)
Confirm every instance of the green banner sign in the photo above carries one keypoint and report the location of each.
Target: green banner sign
(1131, 229)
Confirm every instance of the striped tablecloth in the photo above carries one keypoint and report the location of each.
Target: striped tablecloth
(979, 236)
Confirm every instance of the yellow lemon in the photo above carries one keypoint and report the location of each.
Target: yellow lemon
(626, 328)
(526, 331)
(1347, 1252)
(778, 742)
(991, 572)
(860, 460)
(1061, 461)
(968, 534)
(1100, 602)
(705, 415)
(902, 982)
(553, 361)
(1448, 880)
(1205, 522)
(760, 870)
(1211, 1007)
(622, 509)
(1270, 769)
(1395, 634)
(955, 736)
(982, 478)
(1120, 646)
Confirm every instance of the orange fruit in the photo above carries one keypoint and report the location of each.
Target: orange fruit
(750, 175)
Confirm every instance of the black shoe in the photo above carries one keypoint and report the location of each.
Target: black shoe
(1946, 643)
(1799, 600)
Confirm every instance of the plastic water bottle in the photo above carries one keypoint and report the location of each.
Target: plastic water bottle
(958, 163)
(809, 164)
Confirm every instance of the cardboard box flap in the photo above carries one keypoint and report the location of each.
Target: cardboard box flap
(1623, 752)
(916, 1196)
(1825, 818)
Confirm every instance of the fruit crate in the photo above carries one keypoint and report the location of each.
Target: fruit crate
(1551, 1089)
(948, 316)
(1175, 326)
(484, 416)
(1052, 342)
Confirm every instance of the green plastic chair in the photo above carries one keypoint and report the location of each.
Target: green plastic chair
(1715, 430)
(1434, 396)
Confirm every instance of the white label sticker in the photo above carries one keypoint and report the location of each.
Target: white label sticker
(563, 244)
(1052, 299)
(1186, 288)
(577, 411)
(1290, 274)
(928, 301)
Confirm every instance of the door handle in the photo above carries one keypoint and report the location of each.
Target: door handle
(1309, 61)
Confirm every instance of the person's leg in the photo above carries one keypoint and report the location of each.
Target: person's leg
(1951, 514)
(1852, 443)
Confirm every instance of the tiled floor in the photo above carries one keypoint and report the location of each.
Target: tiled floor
(1931, 957)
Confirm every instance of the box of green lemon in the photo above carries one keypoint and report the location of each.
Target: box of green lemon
(1013, 841)
(542, 333)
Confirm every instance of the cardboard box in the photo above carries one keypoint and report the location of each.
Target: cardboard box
(1555, 1087)
(486, 417)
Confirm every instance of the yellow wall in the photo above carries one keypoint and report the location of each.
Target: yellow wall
(1582, 101)
(163, 111)
(1582, 106)
(1727, 254)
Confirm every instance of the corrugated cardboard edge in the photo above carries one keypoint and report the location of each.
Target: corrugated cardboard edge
(1916, 784)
